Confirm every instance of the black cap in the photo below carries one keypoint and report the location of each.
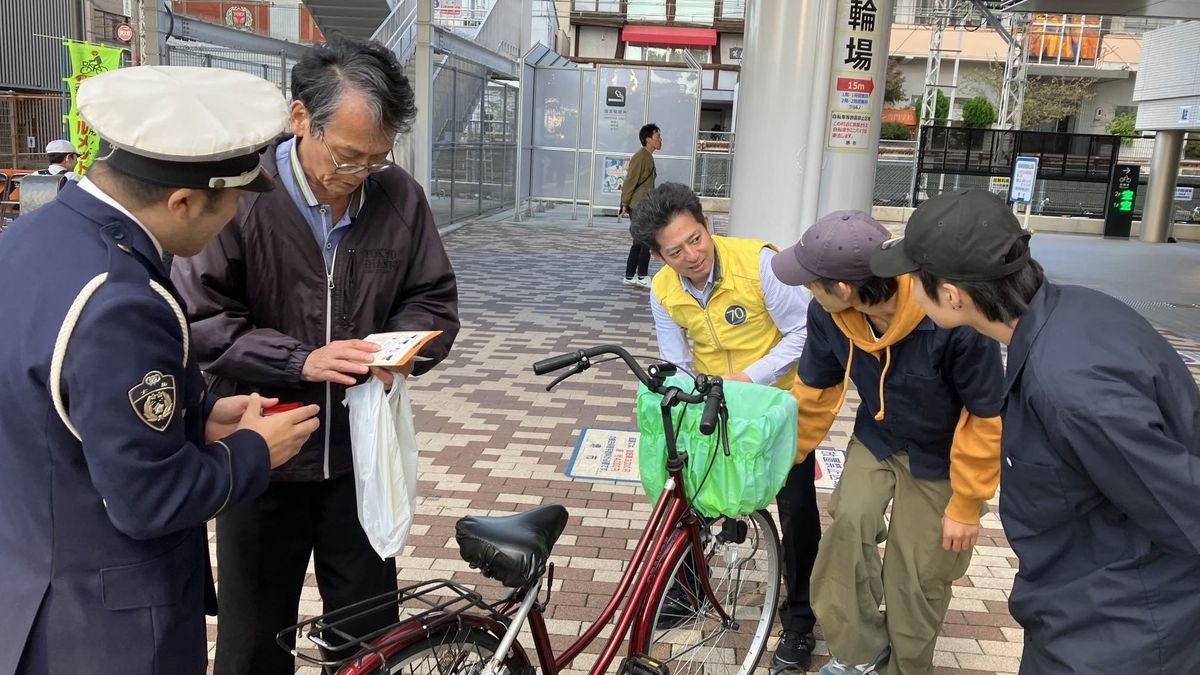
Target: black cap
(961, 236)
(242, 172)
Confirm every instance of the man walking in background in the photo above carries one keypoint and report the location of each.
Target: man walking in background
(639, 180)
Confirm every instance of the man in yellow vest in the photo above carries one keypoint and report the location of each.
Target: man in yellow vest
(718, 309)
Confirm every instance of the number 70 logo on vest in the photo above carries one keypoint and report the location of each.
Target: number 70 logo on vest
(735, 315)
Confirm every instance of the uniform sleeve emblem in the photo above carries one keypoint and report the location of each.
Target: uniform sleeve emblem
(153, 399)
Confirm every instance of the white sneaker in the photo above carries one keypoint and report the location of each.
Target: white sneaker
(836, 667)
(629, 281)
(642, 282)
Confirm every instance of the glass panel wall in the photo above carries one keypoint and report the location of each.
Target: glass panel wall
(474, 149)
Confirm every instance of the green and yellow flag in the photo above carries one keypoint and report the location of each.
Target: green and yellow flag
(87, 60)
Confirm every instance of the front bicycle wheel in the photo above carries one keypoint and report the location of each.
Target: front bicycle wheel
(745, 562)
(459, 650)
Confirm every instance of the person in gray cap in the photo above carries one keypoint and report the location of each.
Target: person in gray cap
(112, 456)
(62, 157)
(1100, 471)
(926, 440)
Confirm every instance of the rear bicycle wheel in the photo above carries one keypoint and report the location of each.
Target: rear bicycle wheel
(458, 650)
(745, 577)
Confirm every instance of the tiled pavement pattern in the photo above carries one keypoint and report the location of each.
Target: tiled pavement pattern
(493, 441)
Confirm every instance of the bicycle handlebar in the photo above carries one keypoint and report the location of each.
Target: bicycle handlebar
(556, 362)
(712, 405)
(709, 388)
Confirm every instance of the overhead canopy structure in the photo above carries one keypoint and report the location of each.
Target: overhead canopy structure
(1165, 9)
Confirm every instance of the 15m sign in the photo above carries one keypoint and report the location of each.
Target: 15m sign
(859, 57)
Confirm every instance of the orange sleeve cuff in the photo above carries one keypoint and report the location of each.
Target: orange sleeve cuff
(816, 415)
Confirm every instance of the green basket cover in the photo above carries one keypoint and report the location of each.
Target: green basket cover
(762, 447)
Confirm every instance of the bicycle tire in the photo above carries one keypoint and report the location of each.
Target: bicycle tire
(746, 648)
(476, 644)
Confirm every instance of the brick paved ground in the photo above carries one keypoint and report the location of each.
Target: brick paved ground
(493, 441)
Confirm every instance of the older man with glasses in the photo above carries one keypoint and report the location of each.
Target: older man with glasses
(279, 304)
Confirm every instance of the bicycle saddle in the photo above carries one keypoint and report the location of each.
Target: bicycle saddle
(511, 549)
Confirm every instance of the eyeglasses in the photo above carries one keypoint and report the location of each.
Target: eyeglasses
(348, 169)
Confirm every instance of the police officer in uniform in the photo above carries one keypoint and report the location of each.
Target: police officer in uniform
(112, 458)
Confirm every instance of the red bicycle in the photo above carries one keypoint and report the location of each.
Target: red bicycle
(699, 593)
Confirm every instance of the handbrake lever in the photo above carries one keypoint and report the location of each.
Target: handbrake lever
(582, 365)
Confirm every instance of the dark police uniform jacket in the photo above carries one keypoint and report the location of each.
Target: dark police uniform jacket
(103, 549)
(1100, 490)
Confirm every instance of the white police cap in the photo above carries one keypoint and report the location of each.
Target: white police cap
(180, 126)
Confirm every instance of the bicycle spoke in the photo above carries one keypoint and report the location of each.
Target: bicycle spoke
(744, 580)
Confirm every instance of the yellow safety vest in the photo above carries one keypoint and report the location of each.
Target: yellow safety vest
(735, 329)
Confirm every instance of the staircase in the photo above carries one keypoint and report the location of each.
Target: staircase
(352, 18)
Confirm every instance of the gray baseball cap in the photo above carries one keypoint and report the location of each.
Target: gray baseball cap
(838, 246)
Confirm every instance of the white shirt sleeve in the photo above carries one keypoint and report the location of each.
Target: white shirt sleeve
(672, 341)
(788, 307)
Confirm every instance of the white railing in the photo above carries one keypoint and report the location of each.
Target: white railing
(399, 30)
(499, 27)
(686, 11)
(463, 17)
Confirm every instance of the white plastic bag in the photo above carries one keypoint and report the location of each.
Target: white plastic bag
(384, 445)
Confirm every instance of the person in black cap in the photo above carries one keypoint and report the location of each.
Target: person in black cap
(926, 439)
(112, 457)
(1100, 470)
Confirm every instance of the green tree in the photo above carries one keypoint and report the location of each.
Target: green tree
(941, 109)
(893, 90)
(1191, 148)
(978, 113)
(894, 131)
(1047, 98)
(1125, 126)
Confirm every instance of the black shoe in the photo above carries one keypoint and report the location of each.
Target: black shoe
(794, 651)
(676, 609)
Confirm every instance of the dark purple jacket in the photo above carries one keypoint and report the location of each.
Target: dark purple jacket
(259, 300)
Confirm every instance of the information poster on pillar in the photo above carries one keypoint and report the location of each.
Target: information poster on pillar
(857, 61)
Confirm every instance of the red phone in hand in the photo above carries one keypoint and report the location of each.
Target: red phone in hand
(279, 407)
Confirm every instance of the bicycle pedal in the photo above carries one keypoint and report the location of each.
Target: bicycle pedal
(640, 664)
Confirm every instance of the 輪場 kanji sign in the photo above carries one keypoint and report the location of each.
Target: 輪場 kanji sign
(857, 62)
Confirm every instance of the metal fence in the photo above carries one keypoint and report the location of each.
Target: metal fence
(714, 164)
(474, 150)
(1069, 198)
(275, 68)
(894, 180)
(27, 123)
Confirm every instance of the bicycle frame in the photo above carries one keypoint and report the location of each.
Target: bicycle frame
(672, 527)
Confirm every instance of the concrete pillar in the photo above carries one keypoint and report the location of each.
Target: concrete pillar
(776, 102)
(1158, 211)
(147, 35)
(848, 174)
(422, 129)
(785, 174)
